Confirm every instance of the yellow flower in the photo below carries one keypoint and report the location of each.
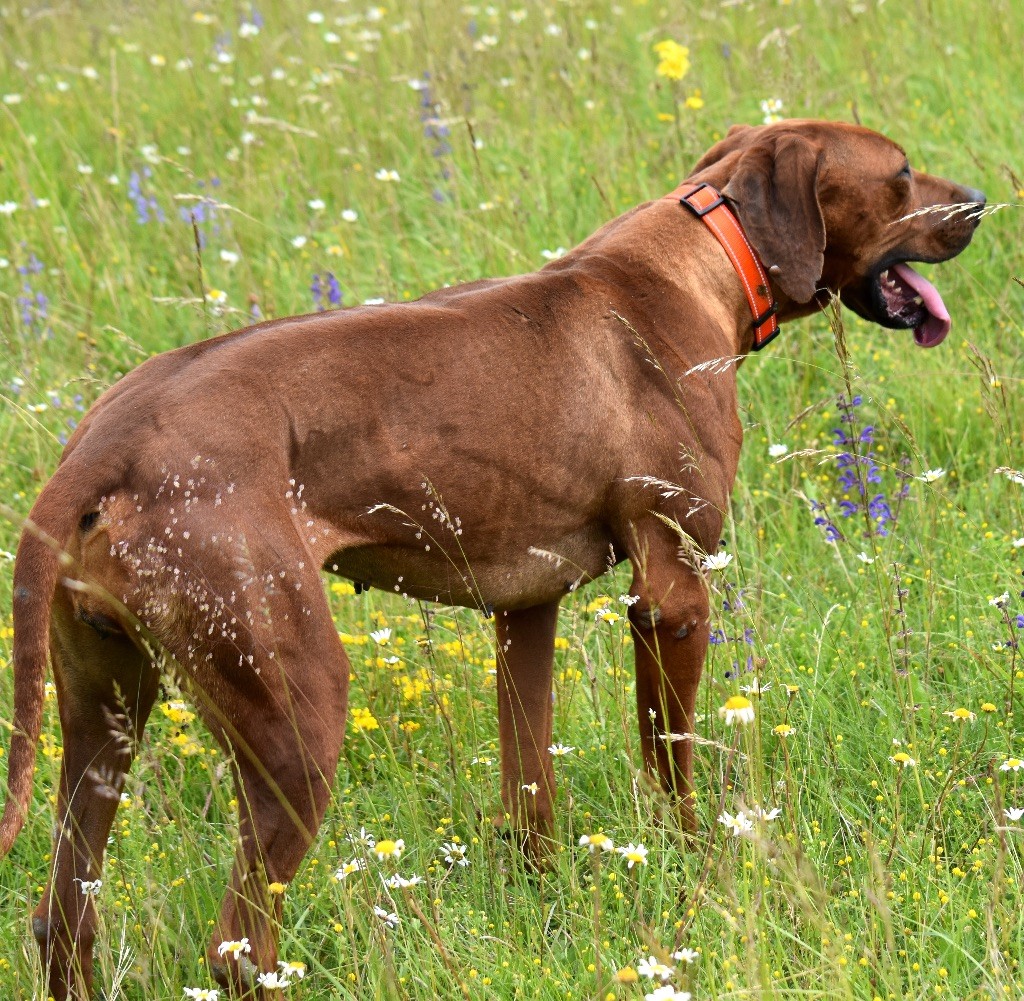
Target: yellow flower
(987, 707)
(177, 712)
(342, 588)
(738, 709)
(593, 842)
(961, 715)
(675, 59)
(694, 101)
(388, 848)
(363, 719)
(627, 975)
(903, 759)
(783, 730)
(276, 888)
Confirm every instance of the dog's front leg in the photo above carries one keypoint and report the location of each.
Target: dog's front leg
(525, 653)
(670, 626)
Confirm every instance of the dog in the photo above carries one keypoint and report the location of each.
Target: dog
(491, 445)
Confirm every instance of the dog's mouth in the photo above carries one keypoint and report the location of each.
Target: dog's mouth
(904, 299)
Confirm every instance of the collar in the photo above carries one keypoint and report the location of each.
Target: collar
(708, 204)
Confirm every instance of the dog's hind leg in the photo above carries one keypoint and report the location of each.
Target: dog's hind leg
(525, 653)
(105, 690)
(275, 697)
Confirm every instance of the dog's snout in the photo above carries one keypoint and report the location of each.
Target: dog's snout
(974, 195)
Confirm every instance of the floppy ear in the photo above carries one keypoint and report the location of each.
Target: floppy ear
(774, 192)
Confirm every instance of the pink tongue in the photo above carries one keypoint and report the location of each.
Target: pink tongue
(935, 328)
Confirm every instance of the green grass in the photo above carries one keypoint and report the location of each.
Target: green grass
(876, 881)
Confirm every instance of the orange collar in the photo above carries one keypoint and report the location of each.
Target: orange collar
(708, 204)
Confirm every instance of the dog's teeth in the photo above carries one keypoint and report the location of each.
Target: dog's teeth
(917, 300)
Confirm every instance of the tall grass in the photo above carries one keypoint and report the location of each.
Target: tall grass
(892, 870)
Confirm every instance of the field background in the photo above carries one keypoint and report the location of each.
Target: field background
(513, 131)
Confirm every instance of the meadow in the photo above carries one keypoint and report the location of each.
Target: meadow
(169, 171)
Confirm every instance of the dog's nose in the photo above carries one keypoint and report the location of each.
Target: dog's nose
(974, 195)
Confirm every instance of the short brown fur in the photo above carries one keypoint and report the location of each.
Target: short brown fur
(491, 445)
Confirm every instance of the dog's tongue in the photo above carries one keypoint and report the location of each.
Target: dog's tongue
(935, 328)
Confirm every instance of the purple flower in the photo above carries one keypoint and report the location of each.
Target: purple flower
(333, 290)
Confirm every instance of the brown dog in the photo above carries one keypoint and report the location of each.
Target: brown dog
(492, 445)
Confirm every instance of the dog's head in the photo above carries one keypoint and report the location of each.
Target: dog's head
(833, 207)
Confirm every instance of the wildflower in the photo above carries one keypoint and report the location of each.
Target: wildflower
(217, 296)
(737, 825)
(178, 712)
(755, 687)
(384, 174)
(770, 108)
(629, 599)
(8, 208)
(667, 993)
(391, 920)
(531, 788)
(767, 815)
(202, 993)
(454, 854)
(903, 759)
(90, 887)
(397, 882)
(1000, 601)
(363, 719)
(685, 955)
(343, 872)
(553, 255)
(864, 558)
(1011, 765)
(560, 750)
(381, 636)
(229, 257)
(277, 888)
(627, 975)
(694, 101)
(652, 968)
(273, 981)
(1018, 543)
(388, 848)
(316, 205)
(595, 842)
(298, 242)
(674, 59)
(633, 854)
(777, 451)
(988, 707)
(234, 948)
(783, 730)
(315, 17)
(737, 709)
(607, 616)
(931, 475)
(961, 715)
(349, 215)
(716, 561)
(1014, 813)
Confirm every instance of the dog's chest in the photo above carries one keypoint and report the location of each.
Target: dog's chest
(445, 569)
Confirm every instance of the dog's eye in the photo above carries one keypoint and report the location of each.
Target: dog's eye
(905, 172)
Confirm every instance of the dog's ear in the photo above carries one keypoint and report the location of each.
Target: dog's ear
(774, 191)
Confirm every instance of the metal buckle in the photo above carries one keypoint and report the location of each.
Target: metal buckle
(698, 210)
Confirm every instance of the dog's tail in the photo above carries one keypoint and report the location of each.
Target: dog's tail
(41, 556)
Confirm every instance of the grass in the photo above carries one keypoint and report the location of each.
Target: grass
(531, 127)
